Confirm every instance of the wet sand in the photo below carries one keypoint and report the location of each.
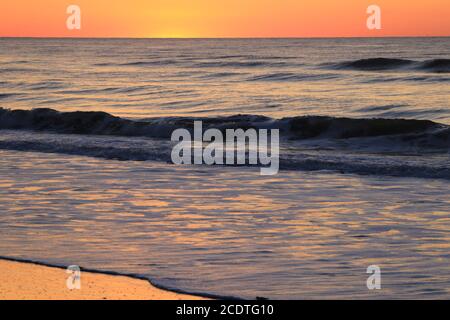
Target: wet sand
(28, 281)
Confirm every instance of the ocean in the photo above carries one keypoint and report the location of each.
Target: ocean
(86, 176)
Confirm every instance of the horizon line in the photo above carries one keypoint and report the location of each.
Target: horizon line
(219, 38)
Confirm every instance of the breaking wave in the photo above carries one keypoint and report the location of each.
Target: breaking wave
(301, 127)
(396, 147)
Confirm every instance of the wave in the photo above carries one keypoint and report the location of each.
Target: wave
(395, 147)
(300, 127)
(375, 64)
(436, 65)
(240, 64)
(381, 64)
(8, 95)
(78, 122)
(392, 167)
(162, 62)
(97, 147)
(220, 63)
(342, 128)
(290, 76)
(17, 70)
(151, 63)
(426, 79)
(219, 75)
(291, 158)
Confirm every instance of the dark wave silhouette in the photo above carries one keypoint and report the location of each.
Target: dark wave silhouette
(341, 128)
(380, 64)
(91, 135)
(301, 127)
(436, 65)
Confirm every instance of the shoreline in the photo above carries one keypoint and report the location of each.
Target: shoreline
(29, 280)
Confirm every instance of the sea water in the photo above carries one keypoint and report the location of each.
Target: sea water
(364, 163)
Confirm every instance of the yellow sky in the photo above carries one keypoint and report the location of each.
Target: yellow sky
(230, 18)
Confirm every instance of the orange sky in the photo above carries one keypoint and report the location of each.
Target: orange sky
(226, 18)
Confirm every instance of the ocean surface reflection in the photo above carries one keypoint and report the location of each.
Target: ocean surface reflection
(229, 231)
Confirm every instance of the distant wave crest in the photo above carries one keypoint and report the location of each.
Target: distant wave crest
(380, 64)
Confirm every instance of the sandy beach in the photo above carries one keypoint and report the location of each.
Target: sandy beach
(27, 281)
